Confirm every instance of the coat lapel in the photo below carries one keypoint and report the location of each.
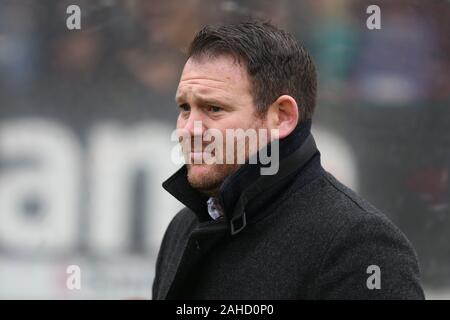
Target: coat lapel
(201, 240)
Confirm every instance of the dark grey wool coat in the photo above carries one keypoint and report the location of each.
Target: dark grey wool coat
(299, 234)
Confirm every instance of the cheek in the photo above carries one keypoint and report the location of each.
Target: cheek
(242, 120)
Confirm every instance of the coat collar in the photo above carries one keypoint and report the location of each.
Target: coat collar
(237, 189)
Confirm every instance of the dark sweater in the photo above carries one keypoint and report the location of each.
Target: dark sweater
(304, 236)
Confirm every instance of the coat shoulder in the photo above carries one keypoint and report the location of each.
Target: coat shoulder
(329, 204)
(352, 237)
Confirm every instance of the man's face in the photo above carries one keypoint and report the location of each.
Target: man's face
(215, 91)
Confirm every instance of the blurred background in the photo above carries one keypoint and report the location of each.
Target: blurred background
(86, 117)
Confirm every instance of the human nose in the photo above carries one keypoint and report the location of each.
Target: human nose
(194, 124)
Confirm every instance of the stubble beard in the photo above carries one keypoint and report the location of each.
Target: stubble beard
(208, 178)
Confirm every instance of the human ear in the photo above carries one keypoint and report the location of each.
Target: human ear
(283, 115)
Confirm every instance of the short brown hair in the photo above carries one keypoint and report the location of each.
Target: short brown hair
(276, 63)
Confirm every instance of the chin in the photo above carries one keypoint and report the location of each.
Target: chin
(200, 175)
(206, 177)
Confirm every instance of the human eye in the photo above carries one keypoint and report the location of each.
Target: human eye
(214, 108)
(184, 107)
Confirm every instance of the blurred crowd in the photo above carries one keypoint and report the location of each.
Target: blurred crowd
(142, 43)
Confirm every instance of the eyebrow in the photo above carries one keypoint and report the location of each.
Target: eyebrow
(178, 97)
(202, 99)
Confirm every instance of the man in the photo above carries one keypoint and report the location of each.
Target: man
(295, 234)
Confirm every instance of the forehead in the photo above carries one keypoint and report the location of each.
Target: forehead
(222, 75)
